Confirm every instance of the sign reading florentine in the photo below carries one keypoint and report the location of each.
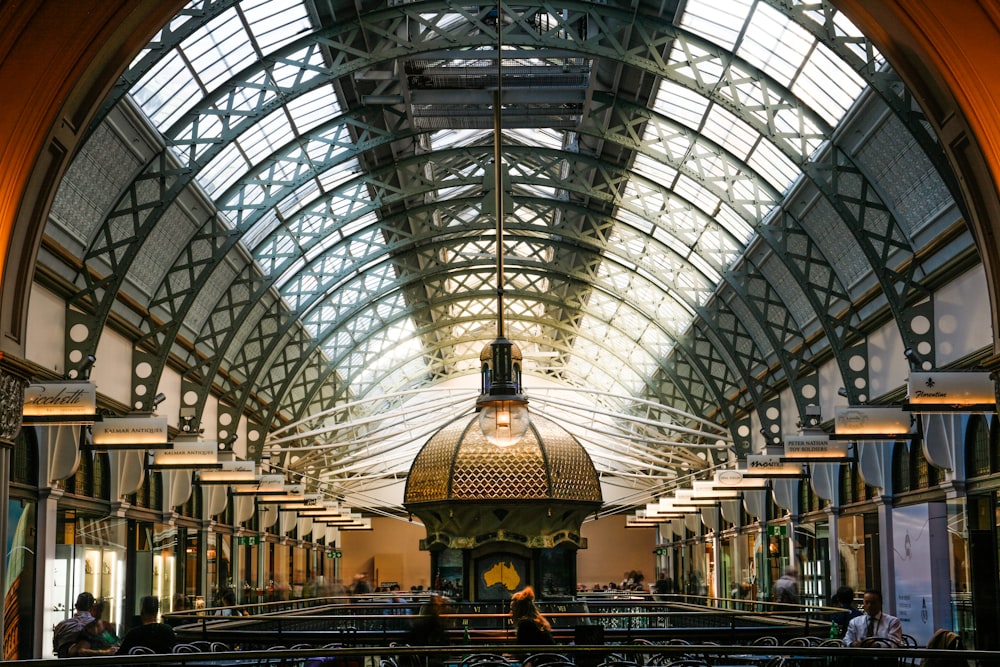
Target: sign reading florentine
(58, 399)
(951, 388)
(131, 432)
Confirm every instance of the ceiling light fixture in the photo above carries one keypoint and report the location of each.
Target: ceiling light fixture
(503, 409)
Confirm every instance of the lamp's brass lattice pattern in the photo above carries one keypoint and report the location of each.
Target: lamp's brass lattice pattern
(457, 463)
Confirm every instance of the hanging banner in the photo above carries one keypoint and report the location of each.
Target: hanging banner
(131, 433)
(864, 422)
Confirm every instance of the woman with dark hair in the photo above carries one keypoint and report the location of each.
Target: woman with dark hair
(532, 628)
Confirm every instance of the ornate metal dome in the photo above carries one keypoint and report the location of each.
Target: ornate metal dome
(458, 464)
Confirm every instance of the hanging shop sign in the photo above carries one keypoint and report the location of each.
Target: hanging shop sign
(951, 391)
(811, 447)
(60, 403)
(770, 465)
(262, 485)
(737, 479)
(229, 472)
(293, 493)
(197, 454)
(131, 433)
(866, 422)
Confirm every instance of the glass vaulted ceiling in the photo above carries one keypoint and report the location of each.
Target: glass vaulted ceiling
(348, 145)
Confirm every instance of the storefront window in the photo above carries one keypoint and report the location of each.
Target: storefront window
(90, 556)
(220, 573)
(813, 545)
(164, 563)
(851, 553)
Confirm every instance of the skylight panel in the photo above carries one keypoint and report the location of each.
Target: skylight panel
(535, 190)
(654, 170)
(734, 223)
(261, 139)
(217, 53)
(224, 170)
(720, 22)
(339, 174)
(167, 91)
(730, 132)
(544, 137)
(289, 72)
(274, 24)
(695, 193)
(775, 44)
(329, 239)
(680, 104)
(828, 85)
(457, 138)
(313, 108)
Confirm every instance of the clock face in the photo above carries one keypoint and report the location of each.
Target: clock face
(500, 575)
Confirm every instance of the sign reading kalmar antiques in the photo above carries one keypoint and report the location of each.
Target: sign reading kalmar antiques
(814, 447)
(187, 454)
(951, 388)
(134, 432)
(55, 399)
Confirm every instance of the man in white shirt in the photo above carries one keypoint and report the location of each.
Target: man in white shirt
(873, 623)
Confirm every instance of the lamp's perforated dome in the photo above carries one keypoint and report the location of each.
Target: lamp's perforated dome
(458, 463)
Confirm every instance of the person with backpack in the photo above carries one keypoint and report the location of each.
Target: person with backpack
(67, 632)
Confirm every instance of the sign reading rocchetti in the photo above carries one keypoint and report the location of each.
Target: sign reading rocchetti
(131, 432)
(58, 399)
(814, 447)
(769, 465)
(954, 388)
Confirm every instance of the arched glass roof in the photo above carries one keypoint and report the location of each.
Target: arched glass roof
(694, 219)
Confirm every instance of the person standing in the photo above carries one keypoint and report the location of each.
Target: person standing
(664, 585)
(786, 588)
(532, 628)
(158, 637)
(873, 623)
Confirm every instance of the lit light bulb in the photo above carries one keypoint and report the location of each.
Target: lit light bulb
(504, 423)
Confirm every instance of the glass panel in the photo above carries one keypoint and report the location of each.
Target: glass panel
(19, 588)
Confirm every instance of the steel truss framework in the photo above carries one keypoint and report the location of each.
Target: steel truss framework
(278, 299)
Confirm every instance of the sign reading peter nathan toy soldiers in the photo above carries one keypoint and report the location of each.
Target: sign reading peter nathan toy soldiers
(818, 447)
(60, 403)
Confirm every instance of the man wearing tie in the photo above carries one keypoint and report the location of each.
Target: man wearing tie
(873, 623)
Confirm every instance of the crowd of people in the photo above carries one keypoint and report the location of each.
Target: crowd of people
(86, 633)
